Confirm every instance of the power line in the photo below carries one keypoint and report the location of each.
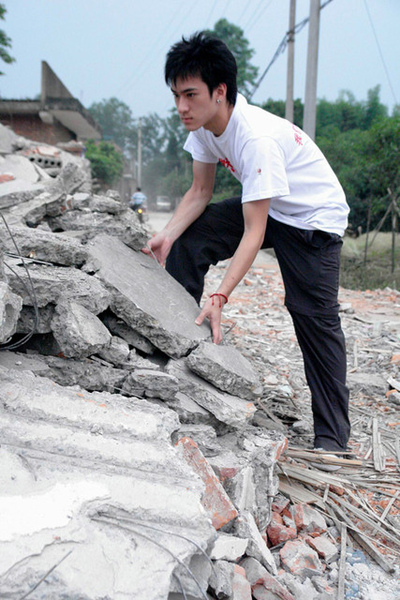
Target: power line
(282, 47)
(258, 16)
(380, 50)
(132, 79)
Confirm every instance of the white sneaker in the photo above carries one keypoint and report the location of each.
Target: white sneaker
(323, 466)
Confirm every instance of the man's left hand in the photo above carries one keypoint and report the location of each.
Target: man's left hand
(212, 310)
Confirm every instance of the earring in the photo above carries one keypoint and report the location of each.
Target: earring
(218, 101)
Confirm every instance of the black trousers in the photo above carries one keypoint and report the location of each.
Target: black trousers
(309, 263)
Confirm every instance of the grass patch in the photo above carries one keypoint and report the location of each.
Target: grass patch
(376, 272)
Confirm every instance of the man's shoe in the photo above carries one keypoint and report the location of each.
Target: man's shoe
(324, 466)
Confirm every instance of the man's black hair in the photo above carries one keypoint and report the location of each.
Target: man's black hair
(206, 57)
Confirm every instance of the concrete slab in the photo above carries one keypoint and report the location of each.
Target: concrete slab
(45, 246)
(52, 284)
(226, 368)
(10, 307)
(227, 408)
(139, 289)
(124, 226)
(92, 477)
(78, 332)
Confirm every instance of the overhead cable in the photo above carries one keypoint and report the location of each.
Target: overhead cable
(282, 47)
(380, 51)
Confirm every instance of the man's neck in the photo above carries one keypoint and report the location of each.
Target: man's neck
(220, 123)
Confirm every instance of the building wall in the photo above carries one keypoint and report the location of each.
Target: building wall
(33, 128)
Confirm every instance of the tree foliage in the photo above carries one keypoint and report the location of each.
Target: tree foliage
(5, 41)
(116, 121)
(233, 36)
(106, 161)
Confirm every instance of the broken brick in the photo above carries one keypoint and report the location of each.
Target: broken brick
(215, 499)
(308, 520)
(278, 532)
(300, 559)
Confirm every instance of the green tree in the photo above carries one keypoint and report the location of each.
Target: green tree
(233, 36)
(116, 120)
(106, 161)
(5, 41)
(278, 107)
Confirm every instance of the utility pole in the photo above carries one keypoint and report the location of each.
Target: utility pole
(310, 101)
(289, 112)
(139, 171)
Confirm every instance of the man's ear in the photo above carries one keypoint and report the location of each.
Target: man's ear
(221, 91)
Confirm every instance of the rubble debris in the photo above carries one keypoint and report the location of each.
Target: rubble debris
(10, 307)
(215, 499)
(91, 427)
(226, 368)
(169, 326)
(228, 409)
(78, 332)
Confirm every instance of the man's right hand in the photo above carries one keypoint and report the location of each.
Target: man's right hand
(159, 247)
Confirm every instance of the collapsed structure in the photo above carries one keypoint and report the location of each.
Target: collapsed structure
(120, 420)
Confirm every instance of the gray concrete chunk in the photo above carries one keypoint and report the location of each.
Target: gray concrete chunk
(147, 298)
(28, 321)
(45, 246)
(226, 368)
(124, 226)
(116, 353)
(86, 373)
(78, 332)
(133, 338)
(228, 409)
(104, 204)
(95, 475)
(52, 284)
(10, 307)
(147, 383)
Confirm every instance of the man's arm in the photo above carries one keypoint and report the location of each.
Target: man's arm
(189, 209)
(255, 222)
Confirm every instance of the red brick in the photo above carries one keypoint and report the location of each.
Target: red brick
(325, 548)
(308, 520)
(241, 589)
(279, 503)
(300, 559)
(215, 500)
(278, 532)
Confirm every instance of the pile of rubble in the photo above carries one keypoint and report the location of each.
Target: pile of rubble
(139, 459)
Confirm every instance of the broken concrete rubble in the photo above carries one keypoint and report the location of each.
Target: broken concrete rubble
(45, 284)
(226, 368)
(228, 409)
(82, 482)
(126, 352)
(104, 460)
(78, 332)
(136, 298)
(10, 307)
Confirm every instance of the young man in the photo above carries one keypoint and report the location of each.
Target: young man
(291, 201)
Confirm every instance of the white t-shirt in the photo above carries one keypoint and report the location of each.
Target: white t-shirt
(272, 158)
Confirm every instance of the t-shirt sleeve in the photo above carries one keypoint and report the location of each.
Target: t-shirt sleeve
(263, 170)
(198, 149)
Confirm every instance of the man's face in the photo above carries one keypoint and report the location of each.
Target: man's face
(195, 106)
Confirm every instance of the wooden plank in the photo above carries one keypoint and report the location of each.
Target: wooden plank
(342, 561)
(378, 452)
(362, 540)
(298, 494)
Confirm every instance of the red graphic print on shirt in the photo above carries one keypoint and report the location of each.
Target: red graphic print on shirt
(297, 135)
(227, 164)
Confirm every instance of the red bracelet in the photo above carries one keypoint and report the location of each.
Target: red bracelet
(219, 297)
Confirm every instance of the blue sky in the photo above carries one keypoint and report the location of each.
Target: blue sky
(106, 48)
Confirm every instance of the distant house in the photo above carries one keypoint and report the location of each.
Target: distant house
(56, 118)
